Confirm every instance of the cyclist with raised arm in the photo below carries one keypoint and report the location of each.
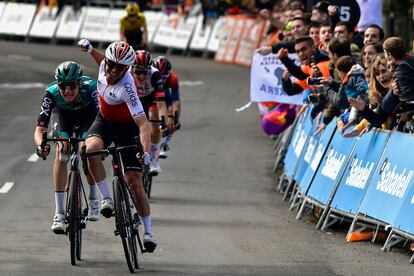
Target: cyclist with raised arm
(120, 115)
(172, 99)
(152, 96)
(133, 27)
(71, 101)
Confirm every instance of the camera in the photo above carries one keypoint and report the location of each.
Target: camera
(313, 81)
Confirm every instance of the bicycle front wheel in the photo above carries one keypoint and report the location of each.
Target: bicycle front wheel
(75, 217)
(125, 225)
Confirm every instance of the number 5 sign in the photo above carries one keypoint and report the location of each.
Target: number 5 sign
(348, 10)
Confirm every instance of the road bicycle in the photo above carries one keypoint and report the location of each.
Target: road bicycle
(75, 216)
(126, 219)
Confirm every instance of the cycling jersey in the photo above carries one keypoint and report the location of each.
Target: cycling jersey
(152, 85)
(53, 100)
(132, 30)
(118, 102)
(171, 86)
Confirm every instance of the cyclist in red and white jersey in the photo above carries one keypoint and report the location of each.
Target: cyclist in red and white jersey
(172, 100)
(152, 96)
(120, 115)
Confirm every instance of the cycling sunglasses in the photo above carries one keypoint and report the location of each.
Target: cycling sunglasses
(112, 65)
(71, 84)
(139, 71)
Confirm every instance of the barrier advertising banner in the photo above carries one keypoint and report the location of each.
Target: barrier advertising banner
(183, 32)
(404, 220)
(226, 32)
(309, 128)
(296, 144)
(17, 18)
(153, 22)
(95, 23)
(332, 164)
(45, 23)
(324, 140)
(111, 30)
(392, 181)
(266, 80)
(359, 171)
(214, 41)
(166, 30)
(201, 35)
(2, 5)
(250, 40)
(235, 39)
(70, 23)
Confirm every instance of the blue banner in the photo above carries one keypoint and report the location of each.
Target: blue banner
(331, 167)
(309, 150)
(359, 171)
(324, 140)
(297, 143)
(392, 181)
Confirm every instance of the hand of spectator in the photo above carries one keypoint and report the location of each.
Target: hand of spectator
(315, 71)
(265, 14)
(403, 117)
(350, 123)
(283, 52)
(325, 81)
(377, 96)
(358, 103)
(320, 128)
(286, 75)
(394, 87)
(355, 132)
(340, 125)
(332, 10)
(302, 109)
(365, 130)
(265, 50)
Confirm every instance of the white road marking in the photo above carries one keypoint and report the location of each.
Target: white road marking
(6, 187)
(191, 83)
(33, 158)
(25, 85)
(20, 57)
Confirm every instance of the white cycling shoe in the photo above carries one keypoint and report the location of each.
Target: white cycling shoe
(155, 167)
(94, 210)
(58, 225)
(149, 242)
(164, 151)
(107, 207)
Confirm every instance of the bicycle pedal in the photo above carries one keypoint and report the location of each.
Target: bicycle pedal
(83, 225)
(116, 232)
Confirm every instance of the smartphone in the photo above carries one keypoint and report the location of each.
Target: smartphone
(313, 81)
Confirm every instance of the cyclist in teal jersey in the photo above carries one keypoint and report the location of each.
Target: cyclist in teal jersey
(69, 101)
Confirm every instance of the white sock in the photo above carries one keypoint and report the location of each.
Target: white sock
(103, 188)
(154, 152)
(93, 192)
(146, 221)
(60, 202)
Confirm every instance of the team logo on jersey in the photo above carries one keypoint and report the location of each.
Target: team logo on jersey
(131, 93)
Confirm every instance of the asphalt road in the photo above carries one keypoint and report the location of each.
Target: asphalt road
(215, 211)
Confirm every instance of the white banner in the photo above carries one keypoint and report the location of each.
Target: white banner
(214, 40)
(111, 30)
(266, 80)
(201, 35)
(95, 23)
(166, 30)
(17, 18)
(1, 9)
(45, 23)
(70, 23)
(154, 20)
(183, 32)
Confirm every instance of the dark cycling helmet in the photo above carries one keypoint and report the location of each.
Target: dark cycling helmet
(132, 8)
(68, 71)
(163, 65)
(120, 52)
(143, 59)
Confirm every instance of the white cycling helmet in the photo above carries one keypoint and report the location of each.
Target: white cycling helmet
(120, 52)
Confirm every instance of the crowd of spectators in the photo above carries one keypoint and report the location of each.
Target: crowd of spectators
(360, 79)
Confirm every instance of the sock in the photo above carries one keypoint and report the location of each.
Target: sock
(60, 202)
(93, 192)
(154, 152)
(103, 188)
(166, 139)
(146, 221)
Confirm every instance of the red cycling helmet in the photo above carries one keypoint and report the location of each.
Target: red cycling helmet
(143, 59)
(163, 65)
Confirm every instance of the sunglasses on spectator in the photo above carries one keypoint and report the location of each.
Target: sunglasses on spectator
(139, 71)
(71, 84)
(112, 65)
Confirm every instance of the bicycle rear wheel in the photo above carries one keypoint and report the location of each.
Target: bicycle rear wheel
(124, 224)
(75, 217)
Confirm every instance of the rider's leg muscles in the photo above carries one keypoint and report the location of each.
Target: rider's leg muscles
(155, 134)
(60, 176)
